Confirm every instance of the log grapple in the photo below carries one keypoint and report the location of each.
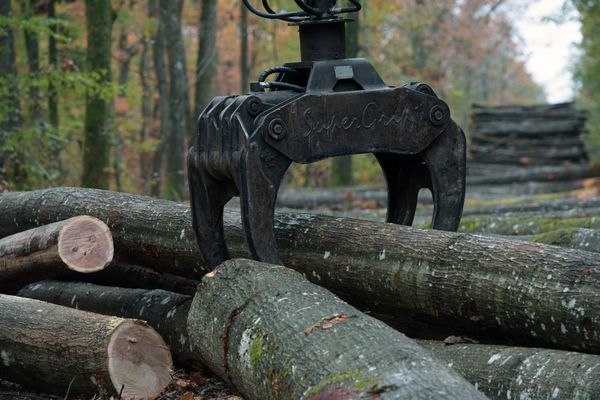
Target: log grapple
(323, 106)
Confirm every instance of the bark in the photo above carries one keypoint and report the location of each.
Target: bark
(207, 62)
(29, 9)
(274, 335)
(525, 224)
(563, 173)
(64, 351)
(459, 283)
(533, 205)
(145, 109)
(160, 69)
(244, 70)
(81, 244)
(503, 372)
(341, 167)
(132, 276)
(164, 311)
(574, 238)
(53, 63)
(10, 109)
(170, 15)
(96, 150)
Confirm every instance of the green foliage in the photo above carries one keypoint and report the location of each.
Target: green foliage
(588, 69)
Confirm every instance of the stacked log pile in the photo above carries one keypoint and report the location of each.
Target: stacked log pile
(528, 135)
(509, 316)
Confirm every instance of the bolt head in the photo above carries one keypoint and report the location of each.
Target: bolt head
(277, 129)
(438, 116)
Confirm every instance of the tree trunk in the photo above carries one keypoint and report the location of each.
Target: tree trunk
(207, 62)
(146, 113)
(10, 116)
(166, 312)
(160, 69)
(81, 244)
(244, 70)
(96, 150)
(459, 283)
(525, 224)
(562, 173)
(503, 372)
(341, 167)
(574, 238)
(64, 351)
(274, 335)
(29, 9)
(53, 63)
(170, 14)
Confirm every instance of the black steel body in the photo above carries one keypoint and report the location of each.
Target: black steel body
(322, 107)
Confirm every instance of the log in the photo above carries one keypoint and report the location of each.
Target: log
(459, 283)
(125, 275)
(69, 352)
(82, 244)
(574, 238)
(508, 373)
(554, 173)
(524, 224)
(513, 371)
(165, 311)
(567, 205)
(274, 335)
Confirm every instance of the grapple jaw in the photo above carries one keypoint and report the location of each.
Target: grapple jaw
(324, 106)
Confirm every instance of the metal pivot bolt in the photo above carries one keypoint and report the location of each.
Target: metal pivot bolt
(254, 107)
(437, 116)
(277, 129)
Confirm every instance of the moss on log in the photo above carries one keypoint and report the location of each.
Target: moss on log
(82, 244)
(274, 335)
(64, 351)
(459, 283)
(575, 238)
(524, 224)
(164, 311)
(508, 373)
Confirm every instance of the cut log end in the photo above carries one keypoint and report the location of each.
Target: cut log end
(85, 244)
(139, 361)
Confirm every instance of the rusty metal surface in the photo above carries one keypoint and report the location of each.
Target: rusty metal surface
(315, 109)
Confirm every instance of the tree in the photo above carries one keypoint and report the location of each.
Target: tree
(170, 15)
(341, 167)
(10, 110)
(244, 70)
(206, 65)
(98, 109)
(588, 68)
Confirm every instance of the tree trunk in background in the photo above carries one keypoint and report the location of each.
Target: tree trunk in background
(29, 9)
(207, 63)
(170, 14)
(274, 335)
(53, 64)
(10, 109)
(146, 111)
(244, 72)
(341, 167)
(96, 150)
(158, 56)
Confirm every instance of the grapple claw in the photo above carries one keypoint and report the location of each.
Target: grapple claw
(322, 107)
